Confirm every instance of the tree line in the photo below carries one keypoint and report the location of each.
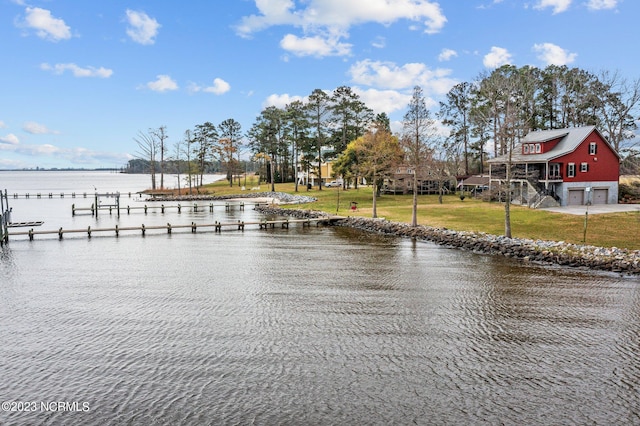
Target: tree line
(475, 121)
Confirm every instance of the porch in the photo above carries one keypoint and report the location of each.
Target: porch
(536, 185)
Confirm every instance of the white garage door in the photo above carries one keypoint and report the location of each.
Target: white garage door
(576, 197)
(600, 196)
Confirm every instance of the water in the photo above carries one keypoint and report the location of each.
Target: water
(305, 326)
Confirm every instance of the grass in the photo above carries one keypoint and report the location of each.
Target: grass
(607, 230)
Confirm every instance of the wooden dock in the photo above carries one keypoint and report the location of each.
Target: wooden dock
(51, 195)
(5, 217)
(169, 228)
(115, 208)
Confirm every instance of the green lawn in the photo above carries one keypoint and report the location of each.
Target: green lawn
(609, 230)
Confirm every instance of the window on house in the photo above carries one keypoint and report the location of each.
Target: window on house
(593, 148)
(525, 148)
(571, 170)
(554, 171)
(538, 148)
(584, 167)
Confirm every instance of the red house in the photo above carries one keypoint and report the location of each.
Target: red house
(572, 166)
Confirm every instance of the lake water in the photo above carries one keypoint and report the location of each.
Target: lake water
(307, 325)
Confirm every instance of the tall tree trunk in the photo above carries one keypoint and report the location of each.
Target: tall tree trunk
(375, 196)
(273, 179)
(507, 198)
(414, 210)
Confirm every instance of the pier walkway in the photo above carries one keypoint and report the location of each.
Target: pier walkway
(169, 228)
(111, 208)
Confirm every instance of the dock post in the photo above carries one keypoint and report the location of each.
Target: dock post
(89, 231)
(195, 207)
(143, 230)
(240, 226)
(193, 227)
(117, 231)
(162, 208)
(218, 227)
(73, 209)
(145, 209)
(168, 228)
(210, 207)
(241, 206)
(226, 206)
(128, 210)
(60, 233)
(31, 234)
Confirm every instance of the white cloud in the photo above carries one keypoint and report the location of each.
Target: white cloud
(387, 101)
(338, 13)
(142, 28)
(447, 54)
(558, 6)
(314, 46)
(317, 18)
(219, 87)
(602, 4)
(162, 83)
(282, 100)
(47, 27)
(10, 139)
(551, 54)
(388, 75)
(77, 71)
(497, 57)
(379, 43)
(38, 129)
(2, 125)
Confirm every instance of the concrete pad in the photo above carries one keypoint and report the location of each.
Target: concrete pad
(595, 209)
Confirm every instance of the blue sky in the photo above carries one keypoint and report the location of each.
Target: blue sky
(80, 79)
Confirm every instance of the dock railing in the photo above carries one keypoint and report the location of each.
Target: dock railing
(5, 217)
(193, 227)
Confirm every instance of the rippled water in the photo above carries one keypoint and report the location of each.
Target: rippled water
(308, 326)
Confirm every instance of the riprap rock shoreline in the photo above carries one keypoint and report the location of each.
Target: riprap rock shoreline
(539, 251)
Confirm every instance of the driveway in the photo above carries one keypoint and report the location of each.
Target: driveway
(595, 209)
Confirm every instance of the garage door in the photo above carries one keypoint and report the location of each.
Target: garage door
(576, 197)
(600, 196)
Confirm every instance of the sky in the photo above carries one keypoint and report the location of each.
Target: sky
(80, 80)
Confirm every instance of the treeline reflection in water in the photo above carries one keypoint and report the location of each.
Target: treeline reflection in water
(310, 326)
